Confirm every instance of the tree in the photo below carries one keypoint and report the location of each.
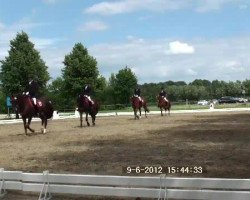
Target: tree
(56, 95)
(80, 69)
(124, 83)
(22, 64)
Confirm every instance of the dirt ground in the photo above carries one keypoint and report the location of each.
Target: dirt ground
(219, 142)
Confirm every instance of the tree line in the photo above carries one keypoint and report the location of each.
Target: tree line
(24, 63)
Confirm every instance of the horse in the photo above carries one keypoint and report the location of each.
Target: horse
(163, 105)
(25, 107)
(84, 105)
(137, 104)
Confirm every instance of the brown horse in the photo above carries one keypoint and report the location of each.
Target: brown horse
(84, 105)
(25, 107)
(137, 104)
(163, 105)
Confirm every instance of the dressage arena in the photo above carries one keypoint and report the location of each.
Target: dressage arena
(217, 141)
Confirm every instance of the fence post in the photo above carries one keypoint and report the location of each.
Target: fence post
(2, 189)
(45, 190)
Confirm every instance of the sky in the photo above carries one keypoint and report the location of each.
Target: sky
(160, 40)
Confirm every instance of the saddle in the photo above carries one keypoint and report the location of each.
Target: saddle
(38, 104)
(89, 101)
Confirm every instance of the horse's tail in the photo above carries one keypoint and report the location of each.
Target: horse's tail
(49, 109)
(169, 107)
(94, 109)
(145, 106)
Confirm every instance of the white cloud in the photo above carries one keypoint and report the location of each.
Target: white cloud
(191, 72)
(49, 1)
(231, 65)
(243, 6)
(210, 5)
(42, 43)
(93, 26)
(177, 47)
(215, 59)
(127, 6)
(134, 39)
(52, 55)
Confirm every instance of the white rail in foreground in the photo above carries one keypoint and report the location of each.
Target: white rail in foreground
(128, 186)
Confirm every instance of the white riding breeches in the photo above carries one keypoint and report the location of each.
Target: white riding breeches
(138, 97)
(89, 98)
(34, 100)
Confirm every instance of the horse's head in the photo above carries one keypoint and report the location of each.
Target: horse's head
(19, 101)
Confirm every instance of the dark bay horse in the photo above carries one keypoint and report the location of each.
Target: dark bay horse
(137, 105)
(84, 106)
(24, 105)
(163, 105)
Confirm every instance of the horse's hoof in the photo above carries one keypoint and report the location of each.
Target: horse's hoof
(93, 124)
(88, 124)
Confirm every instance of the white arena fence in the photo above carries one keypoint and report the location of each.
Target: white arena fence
(72, 115)
(160, 187)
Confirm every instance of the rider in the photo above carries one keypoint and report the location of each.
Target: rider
(32, 91)
(163, 94)
(86, 93)
(137, 93)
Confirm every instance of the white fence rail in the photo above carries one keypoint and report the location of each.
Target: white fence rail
(128, 186)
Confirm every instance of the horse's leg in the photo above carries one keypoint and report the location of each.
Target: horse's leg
(161, 111)
(80, 119)
(93, 119)
(140, 111)
(145, 109)
(145, 113)
(87, 120)
(24, 124)
(135, 113)
(29, 121)
(42, 124)
(45, 125)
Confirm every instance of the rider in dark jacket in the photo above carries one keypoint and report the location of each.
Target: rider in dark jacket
(33, 88)
(163, 94)
(137, 93)
(86, 93)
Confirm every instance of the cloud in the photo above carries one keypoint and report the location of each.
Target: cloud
(191, 72)
(214, 59)
(50, 53)
(231, 65)
(211, 5)
(177, 47)
(128, 6)
(93, 26)
(49, 1)
(134, 39)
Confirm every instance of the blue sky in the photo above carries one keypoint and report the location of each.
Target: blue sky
(159, 39)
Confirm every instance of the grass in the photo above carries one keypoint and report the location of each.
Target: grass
(184, 107)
